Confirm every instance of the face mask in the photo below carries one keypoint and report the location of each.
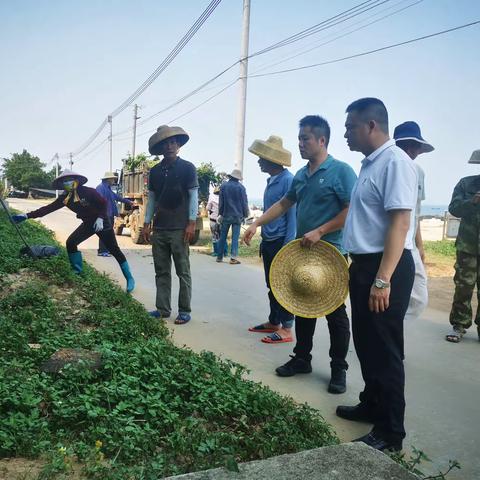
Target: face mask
(67, 186)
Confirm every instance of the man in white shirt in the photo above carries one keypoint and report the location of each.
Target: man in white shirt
(378, 234)
(409, 138)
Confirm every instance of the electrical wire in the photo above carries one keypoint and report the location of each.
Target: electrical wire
(153, 76)
(357, 10)
(301, 52)
(387, 47)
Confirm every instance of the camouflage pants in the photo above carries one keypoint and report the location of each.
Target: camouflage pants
(467, 275)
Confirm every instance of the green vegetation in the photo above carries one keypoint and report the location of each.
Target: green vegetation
(442, 248)
(152, 410)
(24, 170)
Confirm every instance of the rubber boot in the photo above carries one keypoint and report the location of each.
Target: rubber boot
(128, 276)
(76, 262)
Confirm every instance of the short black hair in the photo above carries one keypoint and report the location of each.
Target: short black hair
(319, 126)
(370, 108)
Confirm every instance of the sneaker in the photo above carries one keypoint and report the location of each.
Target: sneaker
(338, 381)
(294, 366)
(219, 259)
(378, 443)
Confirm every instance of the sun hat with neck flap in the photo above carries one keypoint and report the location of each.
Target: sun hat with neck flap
(163, 133)
(309, 282)
(272, 150)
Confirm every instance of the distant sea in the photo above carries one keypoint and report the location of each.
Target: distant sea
(427, 210)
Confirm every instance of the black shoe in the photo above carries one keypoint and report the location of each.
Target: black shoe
(338, 381)
(378, 443)
(294, 366)
(358, 413)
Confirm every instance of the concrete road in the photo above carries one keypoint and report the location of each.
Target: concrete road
(443, 386)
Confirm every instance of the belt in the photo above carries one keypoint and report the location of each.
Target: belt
(366, 257)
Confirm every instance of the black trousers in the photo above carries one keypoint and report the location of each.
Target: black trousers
(339, 329)
(102, 248)
(278, 315)
(107, 236)
(378, 340)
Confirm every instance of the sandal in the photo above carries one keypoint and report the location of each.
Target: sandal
(182, 318)
(455, 335)
(262, 329)
(234, 261)
(276, 338)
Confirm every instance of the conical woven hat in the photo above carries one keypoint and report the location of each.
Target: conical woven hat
(58, 182)
(272, 150)
(163, 132)
(309, 282)
(475, 158)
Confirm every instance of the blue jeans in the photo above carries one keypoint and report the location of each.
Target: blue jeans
(228, 222)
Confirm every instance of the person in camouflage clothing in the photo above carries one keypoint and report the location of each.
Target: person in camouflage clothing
(465, 204)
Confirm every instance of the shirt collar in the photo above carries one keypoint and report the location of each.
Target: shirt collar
(328, 161)
(274, 178)
(379, 150)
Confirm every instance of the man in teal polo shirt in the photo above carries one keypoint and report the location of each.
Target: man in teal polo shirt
(321, 190)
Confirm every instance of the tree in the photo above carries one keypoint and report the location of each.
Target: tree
(207, 175)
(23, 170)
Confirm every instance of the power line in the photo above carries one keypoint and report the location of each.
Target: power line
(387, 47)
(301, 52)
(153, 76)
(337, 19)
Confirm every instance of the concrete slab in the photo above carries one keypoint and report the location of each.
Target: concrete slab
(352, 461)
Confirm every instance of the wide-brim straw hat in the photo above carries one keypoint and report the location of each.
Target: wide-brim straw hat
(236, 173)
(58, 182)
(109, 175)
(310, 282)
(272, 150)
(475, 158)
(163, 132)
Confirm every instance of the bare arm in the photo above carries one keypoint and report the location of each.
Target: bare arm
(419, 242)
(275, 211)
(394, 244)
(336, 223)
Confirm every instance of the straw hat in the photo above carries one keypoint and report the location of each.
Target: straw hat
(109, 175)
(58, 182)
(272, 150)
(309, 282)
(163, 132)
(475, 158)
(236, 173)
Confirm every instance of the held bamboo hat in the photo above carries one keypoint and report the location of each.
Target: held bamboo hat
(272, 150)
(475, 158)
(163, 132)
(57, 184)
(309, 282)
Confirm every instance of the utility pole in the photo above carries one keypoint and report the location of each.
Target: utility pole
(135, 118)
(71, 161)
(110, 139)
(242, 103)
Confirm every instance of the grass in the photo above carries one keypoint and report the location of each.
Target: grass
(152, 410)
(444, 248)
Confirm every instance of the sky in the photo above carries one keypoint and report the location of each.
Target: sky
(67, 65)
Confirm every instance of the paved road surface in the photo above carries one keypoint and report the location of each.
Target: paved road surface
(443, 384)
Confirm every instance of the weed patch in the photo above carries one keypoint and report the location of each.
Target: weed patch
(151, 410)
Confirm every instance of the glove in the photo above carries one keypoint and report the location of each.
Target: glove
(21, 217)
(220, 219)
(98, 225)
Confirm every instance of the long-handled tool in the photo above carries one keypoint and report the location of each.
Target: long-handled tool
(32, 253)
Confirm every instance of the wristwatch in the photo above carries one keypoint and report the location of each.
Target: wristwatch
(379, 283)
